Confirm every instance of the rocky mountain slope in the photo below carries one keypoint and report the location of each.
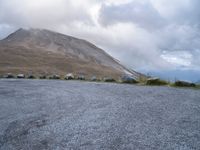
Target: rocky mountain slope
(38, 51)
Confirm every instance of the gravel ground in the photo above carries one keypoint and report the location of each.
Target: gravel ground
(62, 115)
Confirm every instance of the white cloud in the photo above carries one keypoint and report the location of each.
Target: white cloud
(178, 58)
(134, 31)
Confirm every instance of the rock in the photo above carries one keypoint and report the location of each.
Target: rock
(128, 79)
(20, 76)
(69, 76)
(155, 81)
(184, 84)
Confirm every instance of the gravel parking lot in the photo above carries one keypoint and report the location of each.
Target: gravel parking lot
(62, 115)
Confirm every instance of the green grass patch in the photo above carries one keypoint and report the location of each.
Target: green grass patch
(156, 81)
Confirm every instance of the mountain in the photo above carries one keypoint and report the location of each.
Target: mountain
(198, 82)
(39, 51)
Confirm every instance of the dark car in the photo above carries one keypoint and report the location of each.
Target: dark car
(128, 79)
(9, 75)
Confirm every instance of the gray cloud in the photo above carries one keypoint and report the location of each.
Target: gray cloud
(41, 13)
(143, 34)
(137, 12)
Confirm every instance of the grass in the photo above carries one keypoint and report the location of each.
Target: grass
(156, 82)
(197, 86)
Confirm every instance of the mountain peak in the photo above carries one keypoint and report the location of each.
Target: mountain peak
(58, 52)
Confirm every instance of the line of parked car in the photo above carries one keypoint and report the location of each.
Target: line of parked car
(68, 76)
(71, 76)
(124, 79)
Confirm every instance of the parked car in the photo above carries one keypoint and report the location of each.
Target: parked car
(20, 76)
(31, 77)
(9, 75)
(93, 78)
(69, 76)
(184, 84)
(54, 77)
(42, 77)
(128, 79)
(81, 77)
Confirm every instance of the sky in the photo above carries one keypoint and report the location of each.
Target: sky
(151, 36)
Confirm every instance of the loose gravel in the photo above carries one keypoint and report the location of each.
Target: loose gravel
(62, 115)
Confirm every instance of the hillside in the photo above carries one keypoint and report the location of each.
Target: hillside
(38, 51)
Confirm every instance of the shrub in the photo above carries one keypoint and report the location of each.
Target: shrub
(184, 84)
(43, 77)
(155, 81)
(108, 79)
(31, 77)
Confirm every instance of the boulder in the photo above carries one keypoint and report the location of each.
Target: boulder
(184, 84)
(69, 76)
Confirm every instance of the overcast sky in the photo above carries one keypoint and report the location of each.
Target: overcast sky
(143, 34)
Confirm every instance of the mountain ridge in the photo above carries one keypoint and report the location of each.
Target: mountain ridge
(41, 51)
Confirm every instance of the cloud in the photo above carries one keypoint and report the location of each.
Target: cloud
(143, 34)
(136, 12)
(183, 58)
(43, 13)
(178, 11)
(6, 29)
